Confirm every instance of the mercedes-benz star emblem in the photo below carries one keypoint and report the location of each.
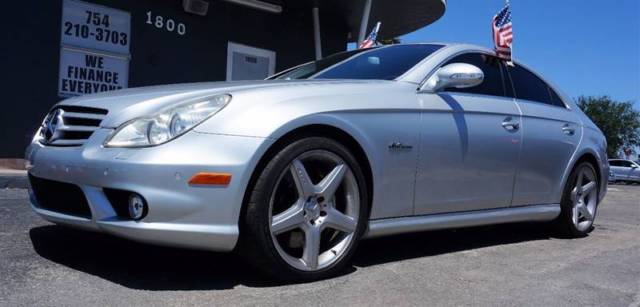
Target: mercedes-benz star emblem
(52, 125)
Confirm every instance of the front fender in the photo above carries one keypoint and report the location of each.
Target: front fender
(373, 116)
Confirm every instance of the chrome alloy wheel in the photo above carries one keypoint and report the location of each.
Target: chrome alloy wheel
(584, 199)
(314, 210)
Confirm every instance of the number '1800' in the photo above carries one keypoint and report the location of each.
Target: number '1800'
(167, 24)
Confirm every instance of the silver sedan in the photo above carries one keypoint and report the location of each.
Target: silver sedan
(624, 171)
(293, 171)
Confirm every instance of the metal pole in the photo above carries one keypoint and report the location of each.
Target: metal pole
(511, 63)
(365, 21)
(316, 32)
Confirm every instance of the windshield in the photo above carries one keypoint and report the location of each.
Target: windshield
(384, 63)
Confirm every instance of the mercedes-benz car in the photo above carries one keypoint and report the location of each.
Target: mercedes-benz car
(622, 170)
(291, 172)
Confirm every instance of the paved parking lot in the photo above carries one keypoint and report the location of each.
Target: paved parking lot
(519, 264)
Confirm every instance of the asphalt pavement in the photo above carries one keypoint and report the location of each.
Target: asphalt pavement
(511, 265)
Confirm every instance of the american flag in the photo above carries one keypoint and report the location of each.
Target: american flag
(503, 33)
(371, 39)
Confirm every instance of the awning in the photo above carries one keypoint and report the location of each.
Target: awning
(398, 17)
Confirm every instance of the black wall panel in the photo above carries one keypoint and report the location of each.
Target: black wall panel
(30, 49)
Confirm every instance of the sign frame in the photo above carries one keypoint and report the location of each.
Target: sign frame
(85, 52)
(79, 27)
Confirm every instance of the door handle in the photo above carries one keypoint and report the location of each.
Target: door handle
(510, 125)
(568, 130)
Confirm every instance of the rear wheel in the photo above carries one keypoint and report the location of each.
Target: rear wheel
(306, 211)
(579, 201)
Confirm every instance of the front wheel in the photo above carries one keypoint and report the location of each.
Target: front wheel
(579, 202)
(306, 211)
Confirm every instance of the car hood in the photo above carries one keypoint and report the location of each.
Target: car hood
(127, 104)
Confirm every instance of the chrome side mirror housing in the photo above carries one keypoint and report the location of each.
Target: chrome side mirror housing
(456, 75)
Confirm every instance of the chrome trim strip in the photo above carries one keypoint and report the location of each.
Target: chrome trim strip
(77, 128)
(83, 115)
(67, 142)
(391, 226)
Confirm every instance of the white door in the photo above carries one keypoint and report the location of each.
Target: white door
(249, 63)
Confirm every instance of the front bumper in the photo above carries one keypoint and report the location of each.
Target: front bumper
(203, 217)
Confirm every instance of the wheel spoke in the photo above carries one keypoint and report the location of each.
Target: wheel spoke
(579, 182)
(330, 183)
(574, 215)
(588, 187)
(339, 221)
(585, 212)
(574, 195)
(301, 177)
(311, 247)
(289, 219)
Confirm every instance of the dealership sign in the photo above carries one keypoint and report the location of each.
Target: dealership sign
(83, 72)
(97, 27)
(94, 56)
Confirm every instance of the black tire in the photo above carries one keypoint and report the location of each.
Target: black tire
(256, 243)
(564, 222)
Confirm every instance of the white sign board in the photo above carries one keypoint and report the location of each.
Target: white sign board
(94, 26)
(83, 72)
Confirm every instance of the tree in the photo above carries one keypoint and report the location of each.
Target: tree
(618, 120)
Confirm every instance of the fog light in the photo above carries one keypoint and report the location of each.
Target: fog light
(137, 207)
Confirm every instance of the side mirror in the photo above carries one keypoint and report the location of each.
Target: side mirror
(634, 166)
(457, 75)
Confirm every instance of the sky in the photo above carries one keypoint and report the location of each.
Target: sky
(585, 47)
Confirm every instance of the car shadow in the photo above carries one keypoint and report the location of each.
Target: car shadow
(142, 266)
(460, 121)
(433, 243)
(147, 267)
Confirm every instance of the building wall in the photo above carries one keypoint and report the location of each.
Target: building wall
(30, 50)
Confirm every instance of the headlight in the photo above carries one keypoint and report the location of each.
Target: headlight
(168, 125)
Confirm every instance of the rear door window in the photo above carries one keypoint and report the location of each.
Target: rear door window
(529, 87)
(555, 98)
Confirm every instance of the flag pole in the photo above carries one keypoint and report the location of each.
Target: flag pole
(511, 63)
(376, 29)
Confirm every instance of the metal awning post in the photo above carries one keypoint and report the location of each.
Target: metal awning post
(364, 22)
(316, 32)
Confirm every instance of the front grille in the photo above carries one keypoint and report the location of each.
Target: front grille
(71, 125)
(60, 197)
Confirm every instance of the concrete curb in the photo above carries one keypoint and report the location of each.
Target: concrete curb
(13, 179)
